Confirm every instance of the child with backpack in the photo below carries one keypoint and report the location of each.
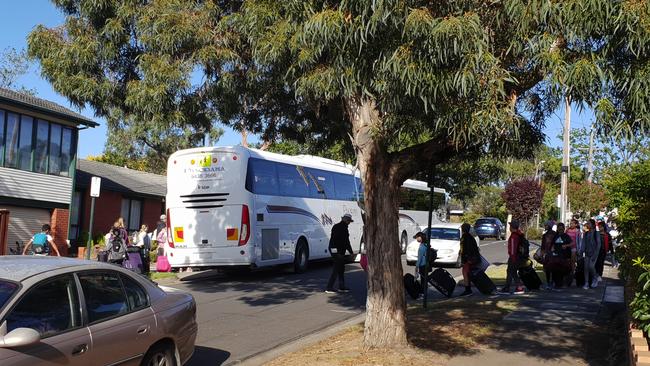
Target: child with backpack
(116, 246)
(42, 242)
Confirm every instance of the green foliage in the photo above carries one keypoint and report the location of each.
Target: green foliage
(640, 305)
(534, 233)
(629, 191)
(13, 64)
(587, 197)
(488, 202)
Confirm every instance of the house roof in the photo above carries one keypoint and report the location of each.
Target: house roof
(119, 179)
(44, 106)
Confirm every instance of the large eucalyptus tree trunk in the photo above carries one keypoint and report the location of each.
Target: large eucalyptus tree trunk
(386, 306)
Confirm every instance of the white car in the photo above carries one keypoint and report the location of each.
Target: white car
(445, 238)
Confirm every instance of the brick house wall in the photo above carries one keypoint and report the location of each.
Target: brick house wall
(59, 225)
(108, 207)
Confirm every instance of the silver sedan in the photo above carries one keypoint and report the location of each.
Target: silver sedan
(64, 311)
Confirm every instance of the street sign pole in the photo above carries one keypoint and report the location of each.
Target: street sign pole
(90, 228)
(425, 280)
(95, 185)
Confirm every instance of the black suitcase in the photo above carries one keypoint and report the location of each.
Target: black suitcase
(483, 283)
(530, 278)
(443, 281)
(580, 273)
(412, 286)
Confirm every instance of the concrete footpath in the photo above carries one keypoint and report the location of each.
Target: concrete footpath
(569, 326)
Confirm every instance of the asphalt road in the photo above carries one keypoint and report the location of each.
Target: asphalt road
(241, 315)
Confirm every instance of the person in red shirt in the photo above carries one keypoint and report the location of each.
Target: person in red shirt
(512, 276)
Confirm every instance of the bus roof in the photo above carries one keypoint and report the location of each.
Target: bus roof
(309, 161)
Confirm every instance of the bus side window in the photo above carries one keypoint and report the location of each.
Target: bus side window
(291, 182)
(261, 177)
(344, 187)
(324, 180)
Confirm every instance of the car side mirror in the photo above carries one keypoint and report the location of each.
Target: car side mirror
(20, 337)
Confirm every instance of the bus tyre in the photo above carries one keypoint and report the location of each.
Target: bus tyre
(403, 241)
(301, 257)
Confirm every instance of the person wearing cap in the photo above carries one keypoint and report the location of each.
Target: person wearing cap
(339, 244)
(512, 276)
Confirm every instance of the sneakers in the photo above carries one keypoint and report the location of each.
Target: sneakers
(344, 289)
(330, 291)
(594, 283)
(585, 287)
(549, 287)
(467, 292)
(519, 291)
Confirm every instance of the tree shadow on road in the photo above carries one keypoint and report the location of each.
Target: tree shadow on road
(276, 286)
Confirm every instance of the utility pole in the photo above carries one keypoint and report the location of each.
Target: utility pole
(565, 159)
(590, 162)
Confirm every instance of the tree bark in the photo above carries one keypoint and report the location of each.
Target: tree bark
(386, 305)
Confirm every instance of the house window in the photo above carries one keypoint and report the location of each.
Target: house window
(132, 213)
(75, 215)
(36, 145)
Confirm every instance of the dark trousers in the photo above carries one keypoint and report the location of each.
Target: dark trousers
(600, 262)
(338, 270)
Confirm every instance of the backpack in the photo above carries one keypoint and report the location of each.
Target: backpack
(432, 256)
(524, 248)
(116, 248)
(39, 243)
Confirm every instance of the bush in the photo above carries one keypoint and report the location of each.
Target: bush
(640, 306)
(153, 253)
(534, 233)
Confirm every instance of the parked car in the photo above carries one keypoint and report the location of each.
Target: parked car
(490, 227)
(65, 311)
(445, 238)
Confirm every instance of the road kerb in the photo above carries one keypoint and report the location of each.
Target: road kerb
(299, 342)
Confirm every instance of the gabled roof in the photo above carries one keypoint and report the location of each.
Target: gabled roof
(119, 179)
(44, 106)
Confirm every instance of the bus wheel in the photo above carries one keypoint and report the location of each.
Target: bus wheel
(301, 257)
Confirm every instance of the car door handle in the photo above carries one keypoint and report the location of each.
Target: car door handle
(80, 349)
(143, 329)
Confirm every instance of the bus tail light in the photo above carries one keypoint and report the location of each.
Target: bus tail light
(170, 237)
(245, 232)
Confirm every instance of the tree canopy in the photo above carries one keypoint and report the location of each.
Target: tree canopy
(412, 84)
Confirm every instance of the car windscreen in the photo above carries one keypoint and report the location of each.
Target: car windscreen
(484, 222)
(445, 233)
(7, 289)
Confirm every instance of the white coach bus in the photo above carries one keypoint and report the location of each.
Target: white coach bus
(234, 206)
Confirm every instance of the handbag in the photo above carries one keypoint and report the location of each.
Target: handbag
(539, 257)
(162, 264)
(484, 264)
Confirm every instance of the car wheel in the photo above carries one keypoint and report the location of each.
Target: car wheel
(301, 257)
(159, 355)
(404, 241)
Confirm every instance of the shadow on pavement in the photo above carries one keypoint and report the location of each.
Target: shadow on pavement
(276, 286)
(206, 356)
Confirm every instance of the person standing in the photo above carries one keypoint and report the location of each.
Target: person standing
(512, 277)
(547, 247)
(470, 256)
(591, 246)
(42, 242)
(339, 244)
(122, 229)
(144, 243)
(606, 247)
(561, 251)
(576, 241)
(421, 263)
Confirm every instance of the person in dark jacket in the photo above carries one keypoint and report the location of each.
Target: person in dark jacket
(339, 244)
(591, 247)
(547, 247)
(469, 256)
(560, 256)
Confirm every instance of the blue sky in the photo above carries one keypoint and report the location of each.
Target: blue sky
(20, 17)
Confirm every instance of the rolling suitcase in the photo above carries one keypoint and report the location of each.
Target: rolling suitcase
(412, 286)
(133, 261)
(483, 283)
(530, 278)
(580, 273)
(443, 281)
